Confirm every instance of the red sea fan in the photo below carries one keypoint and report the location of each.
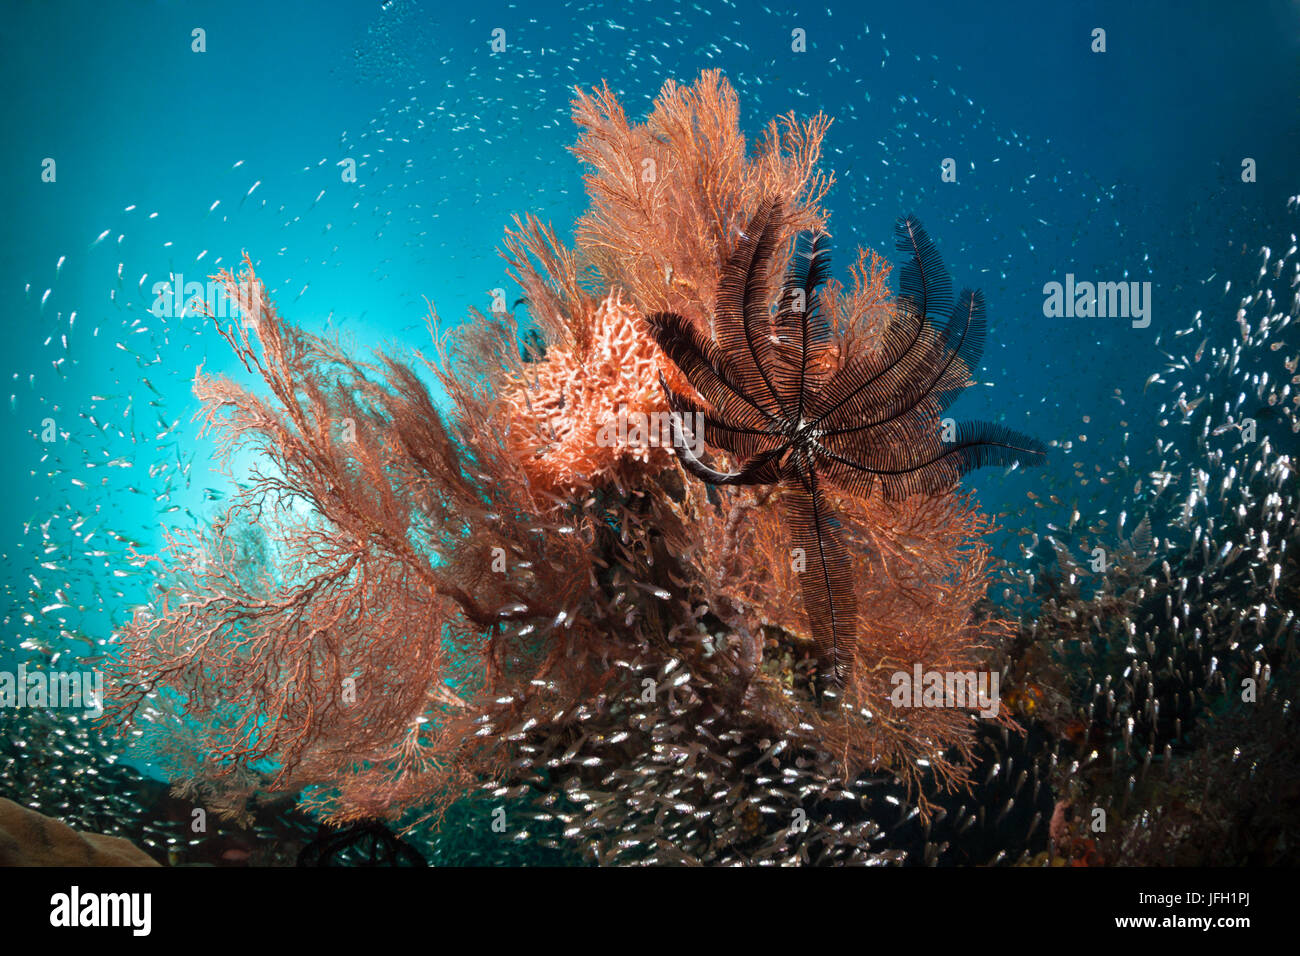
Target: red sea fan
(348, 662)
(443, 598)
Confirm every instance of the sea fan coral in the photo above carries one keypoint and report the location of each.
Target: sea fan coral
(564, 410)
(486, 596)
(668, 200)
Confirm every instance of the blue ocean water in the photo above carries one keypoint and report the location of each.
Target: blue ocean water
(1117, 165)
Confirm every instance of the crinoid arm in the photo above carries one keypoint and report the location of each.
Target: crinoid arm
(826, 578)
(776, 399)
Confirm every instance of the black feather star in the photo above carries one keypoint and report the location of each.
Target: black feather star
(776, 399)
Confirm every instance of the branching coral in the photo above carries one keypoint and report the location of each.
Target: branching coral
(562, 408)
(668, 200)
(449, 597)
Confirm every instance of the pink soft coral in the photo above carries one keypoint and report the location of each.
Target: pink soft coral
(561, 408)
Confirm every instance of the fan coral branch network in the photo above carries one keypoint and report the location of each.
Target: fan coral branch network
(668, 531)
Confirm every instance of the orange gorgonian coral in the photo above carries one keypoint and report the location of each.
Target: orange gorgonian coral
(668, 199)
(564, 410)
(439, 598)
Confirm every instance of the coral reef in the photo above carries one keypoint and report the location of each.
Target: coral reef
(493, 596)
(60, 765)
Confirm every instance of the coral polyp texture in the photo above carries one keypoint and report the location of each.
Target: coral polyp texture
(412, 597)
(562, 405)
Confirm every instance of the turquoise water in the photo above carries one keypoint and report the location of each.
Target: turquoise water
(1116, 165)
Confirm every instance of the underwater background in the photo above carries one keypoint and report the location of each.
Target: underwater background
(1122, 165)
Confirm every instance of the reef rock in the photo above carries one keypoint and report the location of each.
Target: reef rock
(28, 838)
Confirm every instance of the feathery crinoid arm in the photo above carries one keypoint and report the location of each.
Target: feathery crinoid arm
(872, 387)
(742, 441)
(879, 415)
(742, 323)
(759, 447)
(826, 578)
(711, 371)
(801, 334)
(916, 460)
(923, 279)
